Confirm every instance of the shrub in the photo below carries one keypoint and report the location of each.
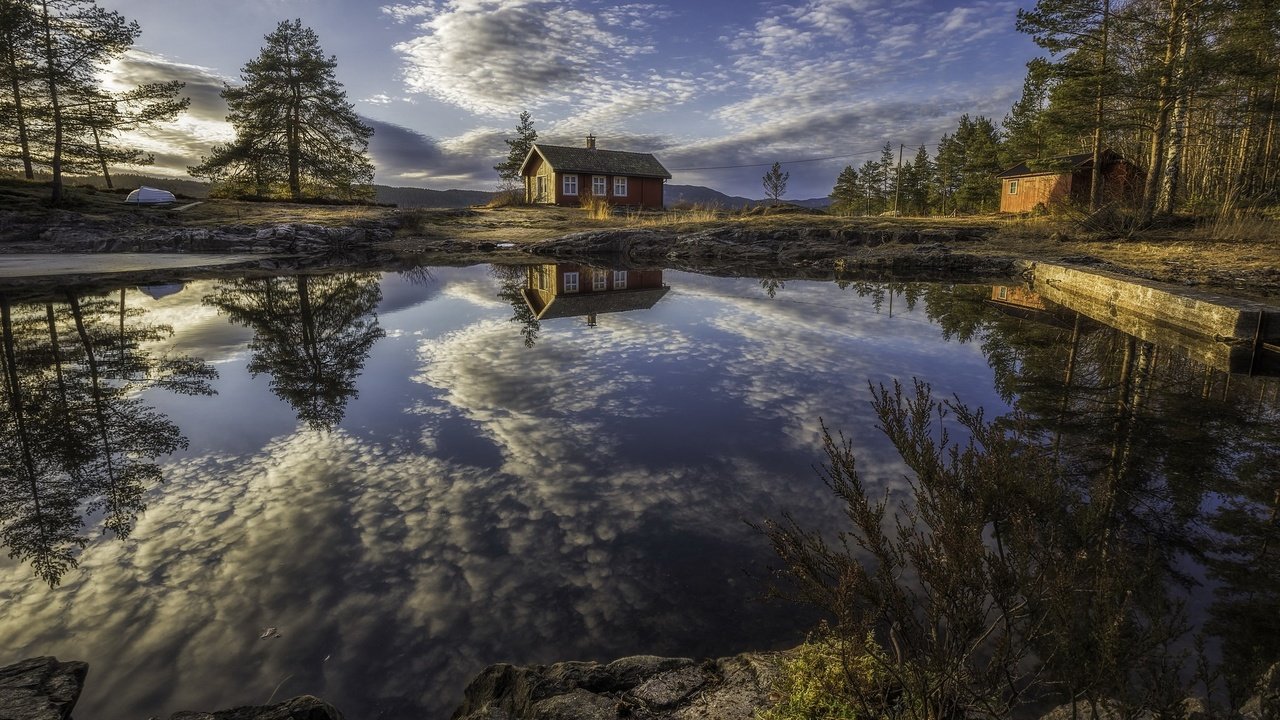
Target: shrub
(829, 678)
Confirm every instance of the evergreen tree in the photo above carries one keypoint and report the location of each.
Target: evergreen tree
(518, 149)
(846, 196)
(295, 130)
(1078, 34)
(74, 39)
(17, 74)
(775, 182)
(917, 178)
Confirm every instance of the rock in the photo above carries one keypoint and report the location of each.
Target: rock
(303, 707)
(643, 686)
(41, 689)
(577, 704)
(669, 689)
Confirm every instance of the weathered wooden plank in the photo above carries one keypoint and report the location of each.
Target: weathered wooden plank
(1221, 332)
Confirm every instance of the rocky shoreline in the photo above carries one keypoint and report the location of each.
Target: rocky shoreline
(644, 686)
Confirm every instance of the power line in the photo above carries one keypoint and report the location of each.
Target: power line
(787, 162)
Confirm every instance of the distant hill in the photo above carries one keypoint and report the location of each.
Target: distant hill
(697, 194)
(410, 197)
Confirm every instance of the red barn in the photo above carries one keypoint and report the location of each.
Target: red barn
(1066, 179)
(559, 175)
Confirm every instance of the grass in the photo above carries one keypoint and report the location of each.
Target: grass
(597, 208)
(1240, 226)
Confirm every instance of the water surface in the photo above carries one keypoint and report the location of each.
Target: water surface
(410, 476)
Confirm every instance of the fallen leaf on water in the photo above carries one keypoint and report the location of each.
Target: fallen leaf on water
(269, 633)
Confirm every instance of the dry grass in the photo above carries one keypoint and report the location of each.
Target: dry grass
(1239, 226)
(506, 198)
(696, 214)
(597, 208)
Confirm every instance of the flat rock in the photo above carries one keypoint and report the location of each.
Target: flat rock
(669, 689)
(40, 688)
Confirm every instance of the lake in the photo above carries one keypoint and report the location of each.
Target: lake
(369, 486)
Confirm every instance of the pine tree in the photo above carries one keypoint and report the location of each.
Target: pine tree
(295, 130)
(17, 73)
(1078, 34)
(74, 39)
(518, 149)
(775, 182)
(846, 196)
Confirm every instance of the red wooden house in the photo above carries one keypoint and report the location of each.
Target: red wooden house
(1066, 179)
(559, 175)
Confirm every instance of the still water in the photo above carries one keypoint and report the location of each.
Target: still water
(369, 486)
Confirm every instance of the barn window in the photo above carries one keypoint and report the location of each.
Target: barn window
(620, 280)
(570, 184)
(571, 282)
(599, 185)
(600, 280)
(620, 186)
(1013, 187)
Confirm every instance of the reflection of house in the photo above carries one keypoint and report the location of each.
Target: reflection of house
(1016, 296)
(1066, 179)
(570, 290)
(558, 175)
(1021, 302)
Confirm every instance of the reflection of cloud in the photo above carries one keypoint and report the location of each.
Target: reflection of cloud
(583, 498)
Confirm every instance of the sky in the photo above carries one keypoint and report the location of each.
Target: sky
(702, 85)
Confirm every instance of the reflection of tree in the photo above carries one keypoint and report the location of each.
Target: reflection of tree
(511, 284)
(312, 334)
(1151, 439)
(77, 435)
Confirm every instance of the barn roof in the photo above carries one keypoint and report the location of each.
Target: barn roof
(1058, 164)
(600, 162)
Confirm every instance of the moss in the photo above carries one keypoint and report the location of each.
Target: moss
(828, 678)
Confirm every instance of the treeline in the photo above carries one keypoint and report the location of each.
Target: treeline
(56, 117)
(1187, 90)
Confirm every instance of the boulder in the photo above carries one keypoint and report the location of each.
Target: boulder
(40, 688)
(1265, 704)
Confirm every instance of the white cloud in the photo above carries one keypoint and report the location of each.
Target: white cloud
(497, 57)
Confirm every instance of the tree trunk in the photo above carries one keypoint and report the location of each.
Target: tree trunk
(102, 159)
(1171, 173)
(51, 76)
(1095, 186)
(19, 113)
(1164, 104)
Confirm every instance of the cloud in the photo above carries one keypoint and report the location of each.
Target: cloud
(494, 57)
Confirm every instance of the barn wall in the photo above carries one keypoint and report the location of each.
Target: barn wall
(1034, 190)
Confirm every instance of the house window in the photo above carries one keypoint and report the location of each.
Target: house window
(600, 280)
(1013, 187)
(570, 184)
(1004, 293)
(571, 282)
(619, 279)
(599, 185)
(620, 186)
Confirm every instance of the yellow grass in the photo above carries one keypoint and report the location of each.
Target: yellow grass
(597, 208)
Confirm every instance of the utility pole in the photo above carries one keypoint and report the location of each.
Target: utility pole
(897, 191)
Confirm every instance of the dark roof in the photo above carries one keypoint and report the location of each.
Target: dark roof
(587, 303)
(601, 162)
(1059, 164)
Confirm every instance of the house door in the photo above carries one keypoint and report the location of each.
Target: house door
(541, 195)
